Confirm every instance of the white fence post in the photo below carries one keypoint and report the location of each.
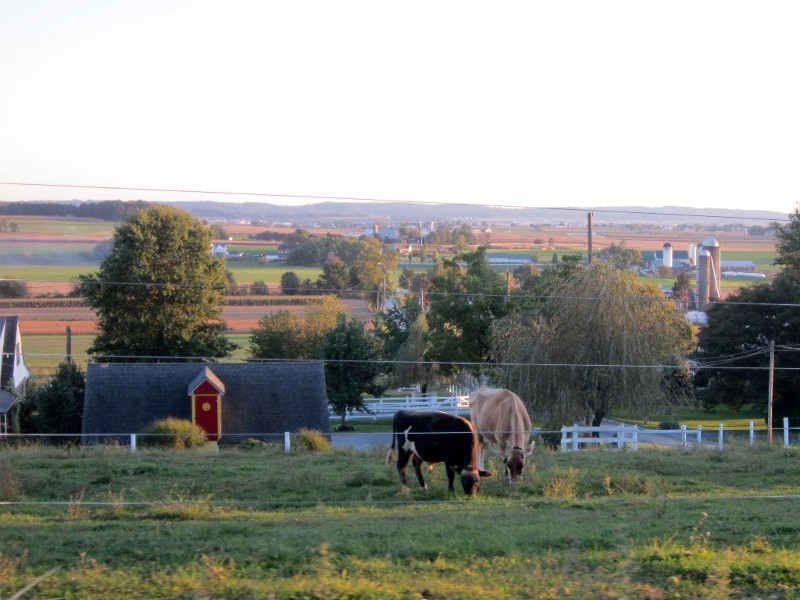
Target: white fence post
(785, 432)
(721, 435)
(699, 435)
(564, 439)
(133, 442)
(683, 435)
(287, 441)
(752, 433)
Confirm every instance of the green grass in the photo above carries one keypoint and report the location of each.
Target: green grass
(270, 273)
(264, 523)
(43, 353)
(65, 226)
(45, 272)
(692, 416)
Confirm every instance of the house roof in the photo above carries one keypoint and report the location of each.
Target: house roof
(13, 371)
(7, 400)
(206, 374)
(261, 399)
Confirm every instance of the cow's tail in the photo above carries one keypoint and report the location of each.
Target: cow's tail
(390, 454)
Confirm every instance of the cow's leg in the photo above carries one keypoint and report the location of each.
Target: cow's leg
(482, 452)
(402, 464)
(418, 468)
(451, 474)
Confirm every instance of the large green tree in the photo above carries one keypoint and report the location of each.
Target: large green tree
(352, 366)
(287, 335)
(464, 302)
(159, 292)
(371, 270)
(601, 341)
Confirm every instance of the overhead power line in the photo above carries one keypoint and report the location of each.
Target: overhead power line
(372, 199)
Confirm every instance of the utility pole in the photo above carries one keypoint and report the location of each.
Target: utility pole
(769, 391)
(69, 344)
(589, 216)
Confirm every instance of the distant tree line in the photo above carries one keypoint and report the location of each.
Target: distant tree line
(106, 210)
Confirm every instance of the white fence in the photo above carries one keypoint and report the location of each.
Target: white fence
(621, 436)
(384, 408)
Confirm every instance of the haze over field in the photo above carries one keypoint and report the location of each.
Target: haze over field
(582, 104)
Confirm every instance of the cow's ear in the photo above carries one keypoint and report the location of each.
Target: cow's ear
(529, 451)
(485, 474)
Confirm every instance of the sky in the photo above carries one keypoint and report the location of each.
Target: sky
(536, 104)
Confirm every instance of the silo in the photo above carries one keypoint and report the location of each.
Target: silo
(667, 262)
(692, 255)
(703, 271)
(712, 246)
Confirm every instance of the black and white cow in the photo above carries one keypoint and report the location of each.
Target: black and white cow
(433, 436)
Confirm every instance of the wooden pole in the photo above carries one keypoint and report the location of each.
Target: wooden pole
(589, 216)
(69, 344)
(769, 390)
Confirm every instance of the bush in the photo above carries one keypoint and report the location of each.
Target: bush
(669, 425)
(252, 444)
(13, 288)
(312, 440)
(173, 433)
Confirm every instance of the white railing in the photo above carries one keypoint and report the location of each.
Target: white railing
(620, 436)
(384, 408)
(576, 437)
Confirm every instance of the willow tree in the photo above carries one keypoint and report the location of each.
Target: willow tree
(601, 341)
(159, 292)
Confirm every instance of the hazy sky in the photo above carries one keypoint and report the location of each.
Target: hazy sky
(562, 103)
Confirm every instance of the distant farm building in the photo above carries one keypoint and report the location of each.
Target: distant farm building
(737, 266)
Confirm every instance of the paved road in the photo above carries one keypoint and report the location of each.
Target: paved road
(362, 441)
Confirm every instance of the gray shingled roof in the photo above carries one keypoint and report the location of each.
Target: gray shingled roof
(7, 400)
(261, 399)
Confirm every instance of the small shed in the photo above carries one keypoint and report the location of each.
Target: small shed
(231, 401)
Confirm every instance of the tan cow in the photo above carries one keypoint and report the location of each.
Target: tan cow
(500, 417)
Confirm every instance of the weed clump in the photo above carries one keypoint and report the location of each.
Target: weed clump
(312, 440)
(173, 433)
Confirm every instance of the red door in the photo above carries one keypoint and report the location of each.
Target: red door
(206, 413)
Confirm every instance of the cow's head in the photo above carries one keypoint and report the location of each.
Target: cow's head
(514, 462)
(471, 479)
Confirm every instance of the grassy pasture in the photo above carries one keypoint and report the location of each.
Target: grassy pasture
(264, 523)
(270, 273)
(28, 225)
(46, 253)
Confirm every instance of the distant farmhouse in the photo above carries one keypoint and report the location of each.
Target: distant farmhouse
(230, 401)
(14, 374)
